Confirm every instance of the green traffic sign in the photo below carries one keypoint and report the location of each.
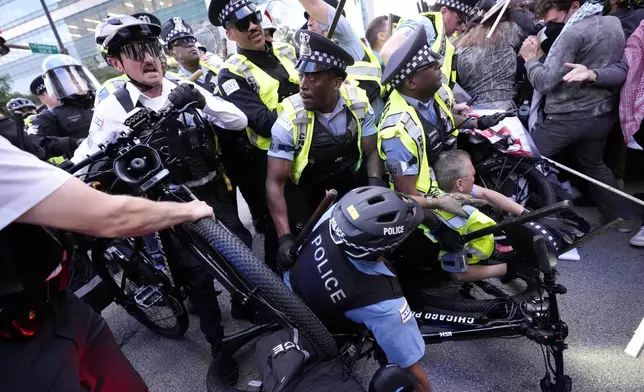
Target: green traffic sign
(42, 48)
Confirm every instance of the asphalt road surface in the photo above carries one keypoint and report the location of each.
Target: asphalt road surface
(603, 307)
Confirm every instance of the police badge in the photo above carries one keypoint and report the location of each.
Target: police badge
(144, 18)
(305, 45)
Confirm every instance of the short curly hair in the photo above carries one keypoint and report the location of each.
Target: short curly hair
(543, 6)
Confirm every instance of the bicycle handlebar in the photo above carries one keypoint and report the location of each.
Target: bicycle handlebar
(531, 216)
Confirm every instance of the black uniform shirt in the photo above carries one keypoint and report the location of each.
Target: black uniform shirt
(260, 118)
(59, 130)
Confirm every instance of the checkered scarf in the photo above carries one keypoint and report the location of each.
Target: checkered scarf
(587, 10)
(631, 103)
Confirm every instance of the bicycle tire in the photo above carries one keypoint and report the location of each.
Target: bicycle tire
(182, 321)
(537, 182)
(269, 285)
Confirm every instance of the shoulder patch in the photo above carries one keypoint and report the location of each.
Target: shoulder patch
(405, 312)
(102, 94)
(285, 123)
(230, 86)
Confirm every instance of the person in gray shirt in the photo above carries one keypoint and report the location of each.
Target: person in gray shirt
(577, 114)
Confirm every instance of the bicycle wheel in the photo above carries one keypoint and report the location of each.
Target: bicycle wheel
(520, 181)
(143, 292)
(267, 286)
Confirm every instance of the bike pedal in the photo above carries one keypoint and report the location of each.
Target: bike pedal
(147, 296)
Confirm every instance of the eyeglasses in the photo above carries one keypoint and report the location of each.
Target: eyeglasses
(183, 42)
(243, 24)
(136, 51)
(435, 65)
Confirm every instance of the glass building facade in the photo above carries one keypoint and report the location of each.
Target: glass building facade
(24, 22)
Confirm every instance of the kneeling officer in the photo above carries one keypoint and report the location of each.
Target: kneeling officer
(320, 139)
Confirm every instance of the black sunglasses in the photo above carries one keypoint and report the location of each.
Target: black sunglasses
(243, 24)
(186, 42)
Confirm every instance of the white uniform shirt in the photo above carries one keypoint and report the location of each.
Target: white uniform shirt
(24, 181)
(109, 116)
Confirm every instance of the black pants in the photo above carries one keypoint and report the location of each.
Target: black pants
(73, 351)
(588, 138)
(246, 168)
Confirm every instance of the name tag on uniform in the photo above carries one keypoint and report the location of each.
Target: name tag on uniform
(405, 312)
(230, 86)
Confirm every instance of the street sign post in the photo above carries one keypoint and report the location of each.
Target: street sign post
(42, 48)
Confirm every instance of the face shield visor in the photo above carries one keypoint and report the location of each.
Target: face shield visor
(66, 81)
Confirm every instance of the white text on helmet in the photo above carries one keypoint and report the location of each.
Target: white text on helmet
(393, 230)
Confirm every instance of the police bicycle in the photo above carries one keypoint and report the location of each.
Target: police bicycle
(531, 311)
(507, 161)
(130, 165)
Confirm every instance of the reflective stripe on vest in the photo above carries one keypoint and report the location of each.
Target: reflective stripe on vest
(479, 248)
(263, 84)
(303, 121)
(401, 120)
(367, 70)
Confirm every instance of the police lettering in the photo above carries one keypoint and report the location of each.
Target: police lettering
(330, 283)
(393, 230)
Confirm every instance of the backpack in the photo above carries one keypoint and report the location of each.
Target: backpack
(287, 362)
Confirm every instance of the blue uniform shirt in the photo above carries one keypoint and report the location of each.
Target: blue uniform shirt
(398, 157)
(345, 36)
(407, 26)
(390, 321)
(283, 145)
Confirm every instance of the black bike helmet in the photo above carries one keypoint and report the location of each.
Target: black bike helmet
(391, 378)
(371, 220)
(19, 104)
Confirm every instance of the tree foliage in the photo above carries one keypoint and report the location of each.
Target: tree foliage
(6, 94)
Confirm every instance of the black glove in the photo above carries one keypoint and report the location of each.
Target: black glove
(565, 229)
(376, 181)
(286, 251)
(448, 238)
(485, 122)
(186, 93)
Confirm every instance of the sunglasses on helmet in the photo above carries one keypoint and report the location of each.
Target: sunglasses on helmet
(136, 50)
(243, 24)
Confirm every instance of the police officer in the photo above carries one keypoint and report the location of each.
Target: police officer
(25, 107)
(445, 18)
(320, 140)
(9, 130)
(255, 79)
(133, 47)
(37, 87)
(111, 85)
(366, 70)
(416, 127)
(418, 123)
(61, 129)
(49, 339)
(342, 275)
(181, 44)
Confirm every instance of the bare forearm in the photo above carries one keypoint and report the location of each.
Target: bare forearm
(133, 217)
(277, 207)
(375, 165)
(77, 207)
(495, 199)
(317, 9)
